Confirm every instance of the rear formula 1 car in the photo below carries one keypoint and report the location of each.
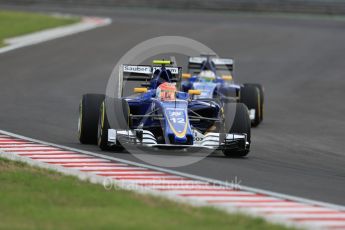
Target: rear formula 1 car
(213, 77)
(158, 115)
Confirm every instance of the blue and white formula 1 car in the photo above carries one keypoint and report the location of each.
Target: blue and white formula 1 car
(158, 115)
(213, 77)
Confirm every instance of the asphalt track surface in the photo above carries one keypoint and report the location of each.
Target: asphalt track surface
(298, 150)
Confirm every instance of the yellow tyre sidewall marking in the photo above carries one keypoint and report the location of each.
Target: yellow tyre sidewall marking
(102, 118)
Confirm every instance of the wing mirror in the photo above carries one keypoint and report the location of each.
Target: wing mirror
(140, 90)
(227, 77)
(194, 92)
(186, 75)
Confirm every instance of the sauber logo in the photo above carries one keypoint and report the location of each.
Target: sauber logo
(137, 69)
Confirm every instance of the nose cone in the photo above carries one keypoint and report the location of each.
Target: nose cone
(177, 129)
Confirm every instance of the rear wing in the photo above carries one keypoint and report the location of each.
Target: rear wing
(141, 75)
(145, 72)
(196, 63)
(176, 72)
(136, 72)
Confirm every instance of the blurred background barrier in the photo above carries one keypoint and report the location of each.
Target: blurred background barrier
(288, 6)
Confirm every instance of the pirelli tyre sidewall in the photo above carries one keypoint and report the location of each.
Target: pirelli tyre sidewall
(120, 119)
(241, 125)
(262, 97)
(103, 126)
(120, 122)
(88, 118)
(250, 96)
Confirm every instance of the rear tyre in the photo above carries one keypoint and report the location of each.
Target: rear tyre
(261, 90)
(239, 124)
(88, 118)
(250, 96)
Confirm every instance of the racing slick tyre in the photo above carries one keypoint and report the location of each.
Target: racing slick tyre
(239, 124)
(250, 96)
(261, 90)
(119, 123)
(88, 118)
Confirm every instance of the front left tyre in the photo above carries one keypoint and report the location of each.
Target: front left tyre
(237, 121)
(250, 96)
(262, 96)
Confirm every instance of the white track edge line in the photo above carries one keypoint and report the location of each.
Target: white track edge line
(50, 34)
(212, 181)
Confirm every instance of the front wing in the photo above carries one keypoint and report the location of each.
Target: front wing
(211, 140)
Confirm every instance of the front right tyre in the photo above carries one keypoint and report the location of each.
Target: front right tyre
(103, 126)
(88, 118)
(119, 122)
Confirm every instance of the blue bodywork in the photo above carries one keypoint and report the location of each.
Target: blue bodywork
(218, 88)
(170, 121)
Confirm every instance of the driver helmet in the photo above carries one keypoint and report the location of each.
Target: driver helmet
(207, 75)
(166, 91)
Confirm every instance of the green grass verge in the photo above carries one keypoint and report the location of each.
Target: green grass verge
(35, 198)
(14, 23)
